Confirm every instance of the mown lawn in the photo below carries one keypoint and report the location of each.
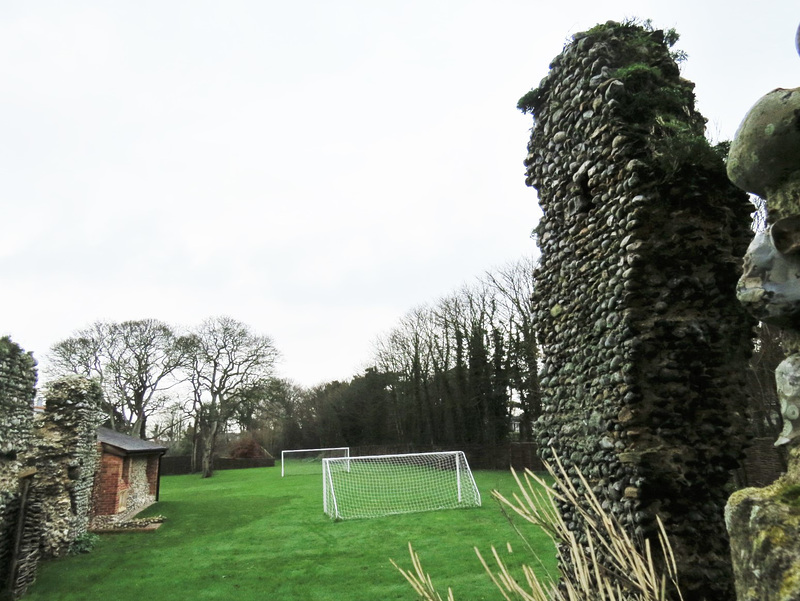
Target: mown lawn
(252, 535)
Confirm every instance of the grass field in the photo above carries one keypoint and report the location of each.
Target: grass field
(252, 535)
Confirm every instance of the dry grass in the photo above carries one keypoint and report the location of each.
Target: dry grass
(608, 566)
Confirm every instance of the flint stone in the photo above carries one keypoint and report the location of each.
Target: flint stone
(787, 378)
(764, 151)
(614, 90)
(786, 235)
(770, 284)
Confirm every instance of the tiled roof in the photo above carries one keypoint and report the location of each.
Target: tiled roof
(127, 443)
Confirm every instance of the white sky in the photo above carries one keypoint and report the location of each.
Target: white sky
(314, 169)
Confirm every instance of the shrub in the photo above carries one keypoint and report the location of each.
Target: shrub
(83, 543)
(247, 447)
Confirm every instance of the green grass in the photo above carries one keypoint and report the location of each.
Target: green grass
(252, 535)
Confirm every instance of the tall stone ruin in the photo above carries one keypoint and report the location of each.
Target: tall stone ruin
(644, 344)
(17, 391)
(47, 466)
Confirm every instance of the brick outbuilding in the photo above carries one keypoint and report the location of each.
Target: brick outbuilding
(127, 478)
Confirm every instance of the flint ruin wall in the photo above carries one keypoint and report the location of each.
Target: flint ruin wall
(47, 466)
(644, 343)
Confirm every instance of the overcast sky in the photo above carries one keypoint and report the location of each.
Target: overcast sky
(314, 169)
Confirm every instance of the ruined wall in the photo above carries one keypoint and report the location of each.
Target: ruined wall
(46, 467)
(17, 391)
(644, 344)
(67, 457)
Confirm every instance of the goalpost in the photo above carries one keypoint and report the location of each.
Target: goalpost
(308, 461)
(378, 485)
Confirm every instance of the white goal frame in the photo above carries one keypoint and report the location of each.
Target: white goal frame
(345, 450)
(379, 485)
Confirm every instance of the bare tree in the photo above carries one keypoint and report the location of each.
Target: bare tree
(81, 354)
(173, 422)
(515, 283)
(142, 359)
(452, 364)
(765, 410)
(133, 360)
(226, 361)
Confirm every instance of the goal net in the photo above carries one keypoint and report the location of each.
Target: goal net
(308, 461)
(378, 485)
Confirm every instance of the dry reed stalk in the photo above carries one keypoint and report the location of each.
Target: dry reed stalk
(420, 581)
(626, 573)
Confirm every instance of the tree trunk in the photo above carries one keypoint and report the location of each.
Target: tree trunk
(195, 444)
(139, 426)
(209, 442)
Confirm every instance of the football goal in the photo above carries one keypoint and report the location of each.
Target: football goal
(308, 461)
(378, 485)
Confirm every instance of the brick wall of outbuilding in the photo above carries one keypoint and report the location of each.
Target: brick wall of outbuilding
(125, 485)
(108, 485)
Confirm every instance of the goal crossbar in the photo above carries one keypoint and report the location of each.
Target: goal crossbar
(313, 456)
(378, 485)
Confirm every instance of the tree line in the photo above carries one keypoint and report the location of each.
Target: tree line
(211, 369)
(462, 370)
(453, 372)
(465, 365)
